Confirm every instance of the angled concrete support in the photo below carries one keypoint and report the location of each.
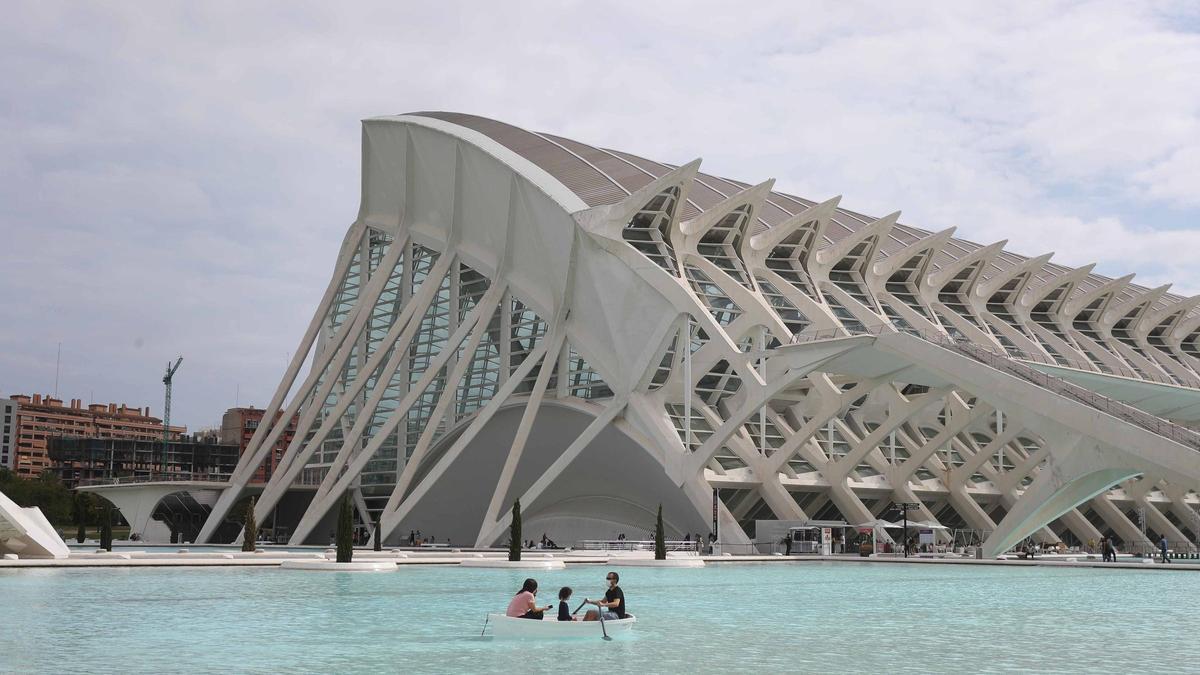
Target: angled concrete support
(1072, 477)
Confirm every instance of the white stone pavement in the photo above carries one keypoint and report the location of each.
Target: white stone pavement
(236, 558)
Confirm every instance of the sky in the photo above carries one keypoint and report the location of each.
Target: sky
(175, 177)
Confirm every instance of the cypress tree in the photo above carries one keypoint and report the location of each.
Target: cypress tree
(250, 532)
(378, 539)
(514, 533)
(660, 542)
(81, 531)
(345, 532)
(106, 527)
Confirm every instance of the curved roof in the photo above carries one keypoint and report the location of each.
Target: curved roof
(600, 176)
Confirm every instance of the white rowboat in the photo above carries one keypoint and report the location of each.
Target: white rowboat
(550, 627)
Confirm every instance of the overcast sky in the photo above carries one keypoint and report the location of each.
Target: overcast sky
(175, 177)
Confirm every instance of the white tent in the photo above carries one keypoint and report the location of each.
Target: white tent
(925, 525)
(880, 524)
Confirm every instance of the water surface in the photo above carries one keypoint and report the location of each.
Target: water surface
(811, 617)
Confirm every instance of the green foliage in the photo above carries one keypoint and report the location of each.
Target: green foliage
(660, 541)
(514, 533)
(46, 492)
(345, 531)
(250, 530)
(378, 538)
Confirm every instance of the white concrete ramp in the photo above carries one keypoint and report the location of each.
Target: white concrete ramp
(24, 531)
(1097, 442)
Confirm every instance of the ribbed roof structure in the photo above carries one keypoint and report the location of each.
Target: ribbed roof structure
(600, 176)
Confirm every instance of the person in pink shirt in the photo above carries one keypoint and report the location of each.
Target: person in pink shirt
(524, 603)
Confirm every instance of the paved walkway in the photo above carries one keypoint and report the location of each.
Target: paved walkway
(130, 557)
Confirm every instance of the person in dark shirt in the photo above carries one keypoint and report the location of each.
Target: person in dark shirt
(613, 604)
(564, 612)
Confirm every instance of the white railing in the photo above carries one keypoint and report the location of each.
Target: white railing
(169, 477)
(1146, 375)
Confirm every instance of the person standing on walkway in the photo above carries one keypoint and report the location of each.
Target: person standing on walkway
(1162, 547)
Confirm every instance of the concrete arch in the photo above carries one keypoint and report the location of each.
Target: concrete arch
(615, 476)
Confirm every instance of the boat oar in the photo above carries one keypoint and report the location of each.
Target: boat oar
(600, 612)
(579, 607)
(486, 617)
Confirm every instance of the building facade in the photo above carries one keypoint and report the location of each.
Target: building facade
(516, 315)
(8, 434)
(91, 461)
(238, 426)
(40, 418)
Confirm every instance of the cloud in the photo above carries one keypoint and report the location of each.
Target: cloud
(178, 177)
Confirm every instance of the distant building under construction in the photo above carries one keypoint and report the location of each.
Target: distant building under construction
(40, 418)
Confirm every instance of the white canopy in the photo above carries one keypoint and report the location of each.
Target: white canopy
(926, 525)
(877, 523)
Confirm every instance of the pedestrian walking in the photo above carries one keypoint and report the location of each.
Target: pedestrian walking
(1110, 550)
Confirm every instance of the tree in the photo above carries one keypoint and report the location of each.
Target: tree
(250, 531)
(345, 532)
(106, 527)
(80, 517)
(378, 538)
(46, 492)
(514, 533)
(660, 542)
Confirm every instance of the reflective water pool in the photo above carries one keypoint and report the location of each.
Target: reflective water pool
(808, 617)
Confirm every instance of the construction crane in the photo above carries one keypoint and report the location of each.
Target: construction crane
(167, 410)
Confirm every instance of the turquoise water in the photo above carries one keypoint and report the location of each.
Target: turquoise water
(811, 617)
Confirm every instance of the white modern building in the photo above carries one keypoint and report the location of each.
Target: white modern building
(515, 315)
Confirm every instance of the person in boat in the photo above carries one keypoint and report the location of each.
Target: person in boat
(524, 603)
(564, 611)
(613, 604)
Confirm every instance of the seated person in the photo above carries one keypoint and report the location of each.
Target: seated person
(564, 612)
(613, 604)
(524, 603)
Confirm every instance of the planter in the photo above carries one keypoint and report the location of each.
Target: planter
(651, 562)
(543, 564)
(864, 550)
(331, 566)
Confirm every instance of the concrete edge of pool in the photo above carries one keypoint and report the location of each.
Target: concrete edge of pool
(239, 559)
